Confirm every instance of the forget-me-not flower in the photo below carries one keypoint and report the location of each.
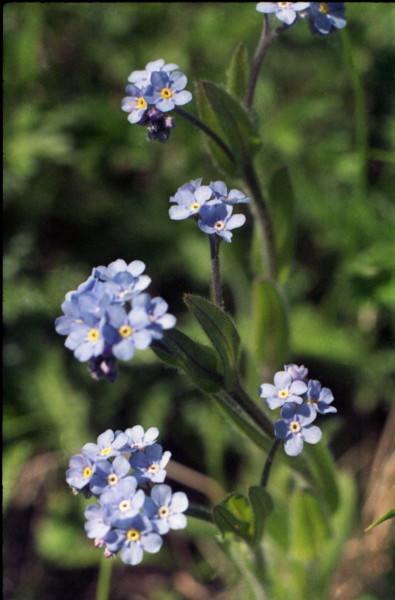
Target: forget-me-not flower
(150, 465)
(326, 17)
(319, 398)
(166, 509)
(297, 372)
(216, 217)
(285, 389)
(109, 444)
(295, 428)
(108, 474)
(286, 12)
(80, 472)
(133, 538)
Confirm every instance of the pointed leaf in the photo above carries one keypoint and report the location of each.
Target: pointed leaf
(221, 331)
(238, 71)
(262, 506)
(232, 123)
(388, 515)
(197, 361)
(282, 204)
(270, 324)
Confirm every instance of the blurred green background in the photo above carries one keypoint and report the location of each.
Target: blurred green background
(83, 187)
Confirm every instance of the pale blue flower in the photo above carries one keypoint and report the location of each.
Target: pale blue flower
(80, 472)
(295, 428)
(138, 439)
(284, 390)
(286, 12)
(166, 509)
(150, 465)
(108, 474)
(109, 444)
(319, 398)
(215, 217)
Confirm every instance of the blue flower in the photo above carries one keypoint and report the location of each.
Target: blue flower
(296, 371)
(326, 17)
(122, 501)
(284, 390)
(142, 78)
(234, 196)
(188, 202)
(166, 509)
(138, 439)
(123, 280)
(166, 90)
(284, 11)
(109, 444)
(97, 524)
(215, 217)
(80, 472)
(318, 398)
(150, 465)
(135, 103)
(130, 329)
(295, 428)
(134, 538)
(108, 474)
(156, 309)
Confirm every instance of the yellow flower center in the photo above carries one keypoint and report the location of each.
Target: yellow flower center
(324, 8)
(112, 479)
(124, 505)
(93, 335)
(105, 451)
(133, 535)
(87, 472)
(141, 103)
(294, 426)
(154, 468)
(195, 206)
(284, 4)
(163, 512)
(219, 225)
(125, 331)
(166, 93)
(283, 394)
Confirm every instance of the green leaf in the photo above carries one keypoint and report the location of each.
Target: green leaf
(282, 205)
(233, 411)
(270, 324)
(388, 515)
(308, 526)
(262, 506)
(231, 122)
(234, 515)
(237, 73)
(210, 118)
(322, 469)
(197, 361)
(221, 331)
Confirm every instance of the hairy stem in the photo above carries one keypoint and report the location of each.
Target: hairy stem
(252, 409)
(215, 270)
(207, 130)
(265, 41)
(104, 580)
(199, 512)
(268, 464)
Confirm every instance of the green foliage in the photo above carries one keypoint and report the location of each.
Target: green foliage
(388, 515)
(262, 506)
(238, 71)
(221, 331)
(282, 204)
(231, 122)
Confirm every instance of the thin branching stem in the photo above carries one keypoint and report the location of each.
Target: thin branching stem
(215, 243)
(199, 512)
(268, 463)
(207, 130)
(104, 579)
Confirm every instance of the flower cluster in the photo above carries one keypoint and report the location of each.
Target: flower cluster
(323, 17)
(212, 206)
(152, 93)
(125, 471)
(300, 400)
(109, 317)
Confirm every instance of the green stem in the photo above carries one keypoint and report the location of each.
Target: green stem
(239, 394)
(261, 212)
(215, 242)
(265, 41)
(199, 512)
(207, 130)
(104, 579)
(360, 113)
(268, 464)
